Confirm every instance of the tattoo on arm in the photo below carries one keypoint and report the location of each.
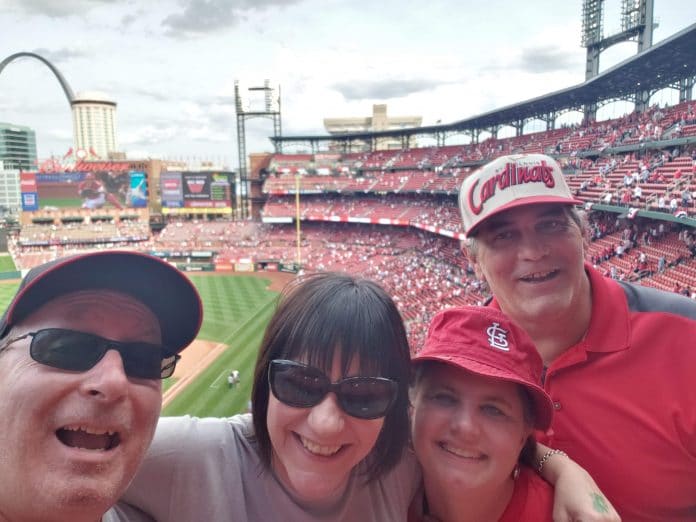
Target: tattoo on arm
(599, 503)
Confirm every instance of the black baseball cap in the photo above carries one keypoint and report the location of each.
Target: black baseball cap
(167, 292)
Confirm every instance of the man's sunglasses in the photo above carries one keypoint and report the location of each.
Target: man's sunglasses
(79, 351)
(302, 386)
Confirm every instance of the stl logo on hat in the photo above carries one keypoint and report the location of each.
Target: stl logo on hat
(508, 182)
(497, 337)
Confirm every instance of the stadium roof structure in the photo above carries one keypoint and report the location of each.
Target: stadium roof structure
(663, 65)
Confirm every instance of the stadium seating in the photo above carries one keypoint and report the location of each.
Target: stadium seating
(393, 215)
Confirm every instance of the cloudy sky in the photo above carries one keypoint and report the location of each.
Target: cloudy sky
(171, 64)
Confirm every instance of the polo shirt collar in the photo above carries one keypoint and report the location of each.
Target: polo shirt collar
(610, 325)
(609, 329)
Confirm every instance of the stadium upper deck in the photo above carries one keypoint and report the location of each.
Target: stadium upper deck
(418, 187)
(666, 64)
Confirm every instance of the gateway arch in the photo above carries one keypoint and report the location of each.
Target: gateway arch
(63, 83)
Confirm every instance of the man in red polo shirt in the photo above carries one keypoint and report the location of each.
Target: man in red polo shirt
(619, 361)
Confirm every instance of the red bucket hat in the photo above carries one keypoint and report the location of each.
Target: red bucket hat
(484, 341)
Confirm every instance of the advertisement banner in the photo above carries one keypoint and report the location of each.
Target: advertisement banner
(27, 182)
(88, 190)
(30, 201)
(137, 194)
(196, 187)
(196, 210)
(220, 187)
(171, 190)
(206, 190)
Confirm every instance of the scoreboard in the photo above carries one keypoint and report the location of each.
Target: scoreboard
(208, 192)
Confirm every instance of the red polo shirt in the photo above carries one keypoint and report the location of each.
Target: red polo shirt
(625, 400)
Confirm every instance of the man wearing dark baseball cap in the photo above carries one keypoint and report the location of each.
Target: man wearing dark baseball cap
(619, 367)
(84, 345)
(476, 400)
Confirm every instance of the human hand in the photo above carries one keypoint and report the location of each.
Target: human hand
(577, 496)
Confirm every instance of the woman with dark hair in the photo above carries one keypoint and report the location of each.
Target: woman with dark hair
(329, 425)
(330, 421)
(476, 401)
(346, 327)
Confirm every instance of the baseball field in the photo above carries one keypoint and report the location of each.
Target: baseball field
(236, 311)
(6, 263)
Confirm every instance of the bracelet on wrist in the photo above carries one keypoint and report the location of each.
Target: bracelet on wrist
(547, 456)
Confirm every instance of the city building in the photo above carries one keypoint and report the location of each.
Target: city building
(379, 121)
(17, 147)
(94, 125)
(10, 197)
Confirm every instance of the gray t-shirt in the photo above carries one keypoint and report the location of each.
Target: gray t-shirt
(209, 469)
(125, 513)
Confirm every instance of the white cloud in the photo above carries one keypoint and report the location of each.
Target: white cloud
(444, 60)
(56, 8)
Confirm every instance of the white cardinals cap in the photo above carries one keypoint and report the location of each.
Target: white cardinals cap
(508, 182)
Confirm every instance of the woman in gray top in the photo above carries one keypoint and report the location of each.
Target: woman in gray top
(308, 454)
(327, 437)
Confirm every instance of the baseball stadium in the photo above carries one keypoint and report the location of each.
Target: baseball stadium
(381, 204)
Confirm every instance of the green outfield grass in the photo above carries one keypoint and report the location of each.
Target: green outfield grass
(168, 383)
(7, 292)
(75, 202)
(236, 311)
(7, 264)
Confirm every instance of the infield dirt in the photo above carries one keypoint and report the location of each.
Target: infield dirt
(199, 354)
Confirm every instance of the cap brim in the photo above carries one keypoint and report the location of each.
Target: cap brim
(520, 202)
(158, 285)
(543, 406)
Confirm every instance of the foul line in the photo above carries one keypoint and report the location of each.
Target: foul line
(223, 375)
(207, 360)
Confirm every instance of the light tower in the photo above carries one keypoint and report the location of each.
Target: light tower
(636, 24)
(246, 109)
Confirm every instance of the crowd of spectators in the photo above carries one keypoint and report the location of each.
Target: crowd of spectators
(421, 212)
(639, 249)
(93, 232)
(652, 125)
(424, 271)
(409, 196)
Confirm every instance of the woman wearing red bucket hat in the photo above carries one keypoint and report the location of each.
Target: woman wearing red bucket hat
(476, 402)
(326, 440)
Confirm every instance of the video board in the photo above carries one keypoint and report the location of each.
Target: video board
(191, 192)
(87, 190)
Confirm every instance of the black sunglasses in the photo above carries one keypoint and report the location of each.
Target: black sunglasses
(79, 351)
(302, 386)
